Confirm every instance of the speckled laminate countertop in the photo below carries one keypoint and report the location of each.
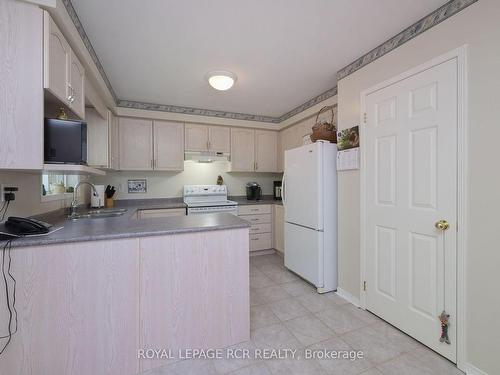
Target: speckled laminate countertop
(127, 225)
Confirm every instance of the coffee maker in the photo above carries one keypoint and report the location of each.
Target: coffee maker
(254, 191)
(277, 190)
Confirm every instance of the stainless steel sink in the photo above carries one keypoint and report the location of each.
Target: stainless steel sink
(98, 214)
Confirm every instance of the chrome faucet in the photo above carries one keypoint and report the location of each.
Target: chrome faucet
(74, 203)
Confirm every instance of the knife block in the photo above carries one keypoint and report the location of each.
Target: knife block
(110, 202)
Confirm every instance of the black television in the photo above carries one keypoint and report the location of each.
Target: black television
(65, 142)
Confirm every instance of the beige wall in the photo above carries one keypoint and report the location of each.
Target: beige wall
(169, 184)
(28, 198)
(479, 27)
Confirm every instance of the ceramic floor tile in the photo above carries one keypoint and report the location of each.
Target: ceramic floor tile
(295, 367)
(395, 336)
(260, 281)
(361, 314)
(193, 367)
(269, 294)
(232, 360)
(340, 320)
(261, 316)
(375, 347)
(339, 365)
(372, 371)
(282, 276)
(406, 365)
(288, 309)
(256, 369)
(316, 302)
(337, 299)
(309, 329)
(298, 288)
(276, 336)
(268, 268)
(436, 362)
(254, 271)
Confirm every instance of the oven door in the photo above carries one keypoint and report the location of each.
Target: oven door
(212, 210)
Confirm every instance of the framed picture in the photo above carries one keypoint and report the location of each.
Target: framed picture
(348, 138)
(137, 186)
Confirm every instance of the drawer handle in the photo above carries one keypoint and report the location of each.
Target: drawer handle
(254, 209)
(254, 239)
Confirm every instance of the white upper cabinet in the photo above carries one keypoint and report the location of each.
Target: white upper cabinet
(168, 146)
(254, 150)
(64, 75)
(219, 139)
(207, 138)
(242, 150)
(21, 86)
(114, 144)
(146, 145)
(196, 137)
(77, 86)
(136, 144)
(57, 55)
(266, 153)
(98, 138)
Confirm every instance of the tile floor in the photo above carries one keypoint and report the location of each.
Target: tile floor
(287, 313)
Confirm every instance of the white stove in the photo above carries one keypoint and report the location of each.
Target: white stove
(206, 199)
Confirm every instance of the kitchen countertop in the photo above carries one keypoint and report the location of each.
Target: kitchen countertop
(127, 225)
(266, 199)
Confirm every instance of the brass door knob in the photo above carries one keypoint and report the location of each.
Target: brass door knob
(442, 225)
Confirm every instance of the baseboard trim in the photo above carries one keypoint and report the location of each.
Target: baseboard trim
(348, 297)
(262, 252)
(473, 370)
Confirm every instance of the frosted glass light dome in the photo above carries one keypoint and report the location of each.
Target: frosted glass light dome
(221, 80)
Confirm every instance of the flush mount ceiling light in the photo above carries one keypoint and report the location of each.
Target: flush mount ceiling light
(221, 80)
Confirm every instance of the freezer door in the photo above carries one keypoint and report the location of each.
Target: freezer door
(304, 253)
(303, 185)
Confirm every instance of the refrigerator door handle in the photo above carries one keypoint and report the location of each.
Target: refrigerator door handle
(283, 190)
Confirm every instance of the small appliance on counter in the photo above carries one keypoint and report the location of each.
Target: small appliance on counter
(254, 191)
(277, 190)
(97, 201)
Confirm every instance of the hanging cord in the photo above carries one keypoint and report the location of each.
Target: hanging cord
(12, 310)
(5, 208)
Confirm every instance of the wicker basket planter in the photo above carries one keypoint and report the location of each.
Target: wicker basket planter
(324, 130)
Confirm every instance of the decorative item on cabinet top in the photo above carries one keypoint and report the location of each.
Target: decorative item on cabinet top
(324, 129)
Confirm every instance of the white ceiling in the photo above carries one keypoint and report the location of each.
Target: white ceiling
(284, 52)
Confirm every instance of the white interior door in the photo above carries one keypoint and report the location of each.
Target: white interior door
(411, 184)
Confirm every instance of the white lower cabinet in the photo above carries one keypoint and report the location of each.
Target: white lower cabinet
(278, 228)
(261, 220)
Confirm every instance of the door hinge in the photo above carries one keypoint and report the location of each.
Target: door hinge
(364, 286)
(364, 117)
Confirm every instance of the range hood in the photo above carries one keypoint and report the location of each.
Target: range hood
(206, 156)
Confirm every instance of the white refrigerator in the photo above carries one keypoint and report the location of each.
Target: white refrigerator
(310, 203)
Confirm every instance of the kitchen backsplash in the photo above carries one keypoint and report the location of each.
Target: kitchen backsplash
(170, 184)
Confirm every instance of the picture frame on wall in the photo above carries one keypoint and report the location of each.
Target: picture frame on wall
(137, 186)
